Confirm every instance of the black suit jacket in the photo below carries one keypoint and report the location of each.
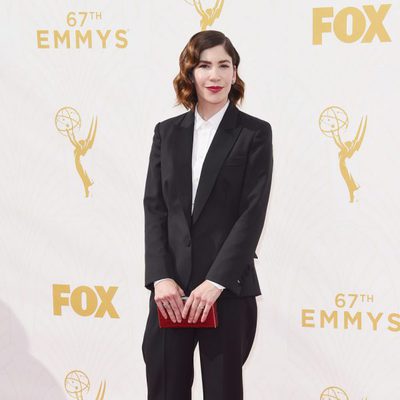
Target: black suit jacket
(218, 241)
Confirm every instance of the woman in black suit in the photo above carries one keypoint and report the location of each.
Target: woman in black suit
(206, 196)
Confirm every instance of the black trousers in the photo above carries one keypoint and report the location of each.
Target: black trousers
(168, 353)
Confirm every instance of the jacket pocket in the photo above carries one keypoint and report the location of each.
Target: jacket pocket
(233, 161)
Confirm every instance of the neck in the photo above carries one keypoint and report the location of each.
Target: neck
(207, 110)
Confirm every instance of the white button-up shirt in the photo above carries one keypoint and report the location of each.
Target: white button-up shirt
(204, 131)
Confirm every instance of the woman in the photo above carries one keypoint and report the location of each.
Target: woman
(205, 201)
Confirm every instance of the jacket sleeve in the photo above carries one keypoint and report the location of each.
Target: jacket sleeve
(239, 247)
(158, 261)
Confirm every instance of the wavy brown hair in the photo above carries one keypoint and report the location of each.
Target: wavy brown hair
(189, 59)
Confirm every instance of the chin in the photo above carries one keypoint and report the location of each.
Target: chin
(214, 99)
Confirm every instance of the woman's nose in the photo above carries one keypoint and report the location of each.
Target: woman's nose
(214, 74)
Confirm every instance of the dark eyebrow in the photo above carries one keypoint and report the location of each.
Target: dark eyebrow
(209, 62)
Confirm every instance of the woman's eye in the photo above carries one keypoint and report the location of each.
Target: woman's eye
(204, 65)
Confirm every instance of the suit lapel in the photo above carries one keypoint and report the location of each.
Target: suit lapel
(182, 155)
(223, 140)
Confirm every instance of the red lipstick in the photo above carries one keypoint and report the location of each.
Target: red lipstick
(214, 89)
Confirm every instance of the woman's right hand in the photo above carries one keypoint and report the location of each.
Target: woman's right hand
(167, 295)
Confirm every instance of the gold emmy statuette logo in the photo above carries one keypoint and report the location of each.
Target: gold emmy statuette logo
(333, 122)
(67, 121)
(334, 393)
(77, 384)
(208, 14)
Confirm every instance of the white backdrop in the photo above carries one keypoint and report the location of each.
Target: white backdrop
(329, 317)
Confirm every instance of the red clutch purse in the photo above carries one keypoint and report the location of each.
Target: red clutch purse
(210, 322)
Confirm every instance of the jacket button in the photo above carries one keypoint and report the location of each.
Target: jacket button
(188, 242)
(238, 281)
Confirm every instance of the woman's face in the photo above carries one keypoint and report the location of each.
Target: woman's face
(213, 76)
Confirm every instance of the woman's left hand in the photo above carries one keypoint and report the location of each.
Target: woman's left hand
(200, 301)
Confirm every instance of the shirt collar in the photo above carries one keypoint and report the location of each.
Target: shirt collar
(212, 122)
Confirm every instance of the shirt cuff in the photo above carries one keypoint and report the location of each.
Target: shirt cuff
(160, 280)
(216, 284)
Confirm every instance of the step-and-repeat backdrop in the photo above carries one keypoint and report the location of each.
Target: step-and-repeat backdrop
(82, 86)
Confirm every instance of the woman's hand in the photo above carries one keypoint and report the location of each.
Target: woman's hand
(167, 295)
(200, 301)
